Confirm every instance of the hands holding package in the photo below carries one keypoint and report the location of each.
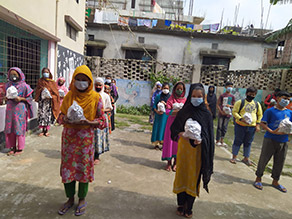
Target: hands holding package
(12, 94)
(192, 131)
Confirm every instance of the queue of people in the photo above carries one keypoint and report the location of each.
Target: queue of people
(182, 129)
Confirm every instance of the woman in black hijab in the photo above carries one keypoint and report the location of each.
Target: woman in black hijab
(212, 100)
(194, 158)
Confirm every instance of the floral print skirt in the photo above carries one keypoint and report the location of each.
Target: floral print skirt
(77, 162)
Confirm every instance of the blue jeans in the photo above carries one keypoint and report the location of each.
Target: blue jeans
(222, 127)
(243, 135)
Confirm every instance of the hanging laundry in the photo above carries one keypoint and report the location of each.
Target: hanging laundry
(123, 21)
(206, 27)
(140, 22)
(132, 22)
(106, 17)
(214, 27)
(98, 15)
(167, 23)
(147, 23)
(198, 27)
(190, 26)
(154, 23)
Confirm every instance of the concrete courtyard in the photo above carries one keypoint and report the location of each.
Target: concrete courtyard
(130, 183)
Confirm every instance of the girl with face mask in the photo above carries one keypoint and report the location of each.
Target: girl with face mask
(101, 137)
(194, 158)
(62, 88)
(49, 108)
(169, 148)
(77, 138)
(18, 110)
(155, 91)
(160, 117)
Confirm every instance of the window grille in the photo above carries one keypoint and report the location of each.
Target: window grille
(19, 48)
(71, 32)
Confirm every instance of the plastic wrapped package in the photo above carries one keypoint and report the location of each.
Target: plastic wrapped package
(285, 126)
(61, 93)
(227, 110)
(161, 107)
(247, 118)
(192, 130)
(177, 106)
(75, 113)
(11, 92)
(46, 94)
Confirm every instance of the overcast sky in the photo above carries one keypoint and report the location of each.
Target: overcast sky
(249, 12)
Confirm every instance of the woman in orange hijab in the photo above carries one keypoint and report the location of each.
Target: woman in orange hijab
(49, 108)
(77, 162)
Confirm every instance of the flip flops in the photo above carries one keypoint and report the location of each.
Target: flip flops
(246, 162)
(233, 161)
(280, 188)
(258, 185)
(66, 207)
(78, 212)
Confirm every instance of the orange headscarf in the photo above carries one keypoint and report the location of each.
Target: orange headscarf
(88, 100)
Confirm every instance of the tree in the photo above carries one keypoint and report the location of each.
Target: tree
(282, 32)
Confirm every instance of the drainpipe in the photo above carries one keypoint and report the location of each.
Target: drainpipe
(56, 34)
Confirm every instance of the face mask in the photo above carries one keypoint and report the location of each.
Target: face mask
(159, 88)
(98, 89)
(197, 101)
(81, 85)
(179, 92)
(284, 103)
(165, 91)
(229, 89)
(46, 75)
(249, 98)
(108, 81)
(14, 78)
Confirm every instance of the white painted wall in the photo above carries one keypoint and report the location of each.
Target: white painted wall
(176, 49)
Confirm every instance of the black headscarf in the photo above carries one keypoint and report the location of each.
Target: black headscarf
(212, 100)
(202, 115)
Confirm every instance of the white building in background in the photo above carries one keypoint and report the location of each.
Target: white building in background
(40, 33)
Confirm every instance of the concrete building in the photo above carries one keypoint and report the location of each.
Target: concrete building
(37, 34)
(176, 46)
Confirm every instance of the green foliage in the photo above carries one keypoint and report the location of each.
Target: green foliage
(274, 2)
(280, 33)
(159, 76)
(134, 110)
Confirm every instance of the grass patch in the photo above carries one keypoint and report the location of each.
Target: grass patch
(121, 124)
(147, 128)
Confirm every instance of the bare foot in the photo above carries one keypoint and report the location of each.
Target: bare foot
(10, 153)
(41, 134)
(47, 134)
(18, 152)
(96, 162)
(168, 168)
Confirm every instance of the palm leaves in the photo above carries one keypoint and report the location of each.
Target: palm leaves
(274, 2)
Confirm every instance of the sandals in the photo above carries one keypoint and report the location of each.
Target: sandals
(280, 188)
(47, 134)
(168, 168)
(41, 134)
(258, 185)
(233, 161)
(18, 152)
(65, 208)
(246, 162)
(180, 211)
(174, 168)
(78, 211)
(11, 153)
(189, 215)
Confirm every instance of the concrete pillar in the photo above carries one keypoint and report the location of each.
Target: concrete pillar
(96, 64)
(283, 79)
(196, 73)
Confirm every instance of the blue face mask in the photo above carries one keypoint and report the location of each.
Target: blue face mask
(46, 75)
(197, 101)
(284, 103)
(229, 89)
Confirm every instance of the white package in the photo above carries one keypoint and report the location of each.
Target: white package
(75, 113)
(285, 126)
(227, 110)
(192, 130)
(177, 106)
(161, 107)
(11, 92)
(61, 93)
(46, 94)
(247, 118)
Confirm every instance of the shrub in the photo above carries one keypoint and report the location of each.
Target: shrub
(134, 110)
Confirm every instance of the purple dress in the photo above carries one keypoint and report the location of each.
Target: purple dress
(17, 113)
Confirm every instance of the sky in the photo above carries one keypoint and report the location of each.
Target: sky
(249, 12)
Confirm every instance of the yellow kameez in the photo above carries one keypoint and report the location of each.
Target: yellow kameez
(188, 166)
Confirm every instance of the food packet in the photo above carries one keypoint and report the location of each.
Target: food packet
(227, 110)
(247, 118)
(192, 130)
(11, 92)
(285, 126)
(75, 113)
(161, 107)
(46, 94)
(177, 106)
(61, 93)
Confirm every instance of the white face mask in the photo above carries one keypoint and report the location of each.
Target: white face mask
(81, 85)
(46, 75)
(108, 81)
(165, 91)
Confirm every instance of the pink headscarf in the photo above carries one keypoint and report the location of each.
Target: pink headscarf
(63, 87)
(174, 98)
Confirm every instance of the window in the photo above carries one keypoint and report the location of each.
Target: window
(141, 39)
(140, 55)
(214, 45)
(280, 49)
(25, 54)
(90, 37)
(133, 3)
(216, 61)
(94, 51)
(71, 32)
